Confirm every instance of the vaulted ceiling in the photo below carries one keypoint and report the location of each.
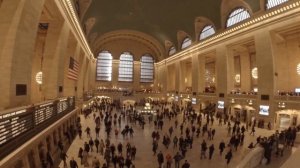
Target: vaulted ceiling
(160, 19)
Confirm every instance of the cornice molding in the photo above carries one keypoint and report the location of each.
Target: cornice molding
(272, 16)
(68, 12)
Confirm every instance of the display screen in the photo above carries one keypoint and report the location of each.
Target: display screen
(264, 110)
(43, 112)
(62, 105)
(14, 124)
(194, 101)
(220, 104)
(297, 90)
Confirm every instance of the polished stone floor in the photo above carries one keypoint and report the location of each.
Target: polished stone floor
(143, 142)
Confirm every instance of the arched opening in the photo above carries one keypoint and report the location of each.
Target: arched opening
(287, 118)
(206, 32)
(273, 3)
(147, 69)
(104, 66)
(172, 51)
(126, 67)
(186, 43)
(236, 16)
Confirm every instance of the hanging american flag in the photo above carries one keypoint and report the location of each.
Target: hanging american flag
(73, 69)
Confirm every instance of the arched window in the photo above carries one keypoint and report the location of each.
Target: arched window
(273, 3)
(186, 42)
(206, 32)
(126, 67)
(104, 66)
(237, 16)
(172, 50)
(147, 68)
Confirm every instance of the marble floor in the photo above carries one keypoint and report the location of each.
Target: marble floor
(143, 142)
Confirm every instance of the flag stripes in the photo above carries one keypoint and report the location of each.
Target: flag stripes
(73, 69)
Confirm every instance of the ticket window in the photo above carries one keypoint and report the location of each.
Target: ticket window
(284, 121)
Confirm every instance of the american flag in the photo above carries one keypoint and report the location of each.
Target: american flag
(73, 69)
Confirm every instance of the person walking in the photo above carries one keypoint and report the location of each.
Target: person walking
(203, 150)
(169, 160)
(63, 157)
(160, 159)
(73, 163)
(221, 147)
(177, 159)
(186, 164)
(228, 156)
(211, 151)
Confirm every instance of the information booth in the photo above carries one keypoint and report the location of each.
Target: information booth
(287, 118)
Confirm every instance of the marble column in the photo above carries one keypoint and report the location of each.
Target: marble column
(178, 76)
(201, 74)
(19, 23)
(54, 58)
(195, 73)
(245, 71)
(265, 66)
(80, 81)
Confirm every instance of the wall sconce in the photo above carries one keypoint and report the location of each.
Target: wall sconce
(180, 95)
(250, 102)
(281, 104)
(232, 101)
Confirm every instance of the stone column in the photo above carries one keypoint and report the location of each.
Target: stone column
(80, 81)
(19, 22)
(54, 59)
(265, 66)
(221, 70)
(178, 75)
(72, 51)
(195, 73)
(201, 74)
(86, 76)
(92, 74)
(136, 75)
(245, 71)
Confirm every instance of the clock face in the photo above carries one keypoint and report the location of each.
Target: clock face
(237, 78)
(298, 69)
(39, 78)
(254, 73)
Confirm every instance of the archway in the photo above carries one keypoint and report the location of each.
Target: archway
(287, 118)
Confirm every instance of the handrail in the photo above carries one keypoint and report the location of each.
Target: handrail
(18, 125)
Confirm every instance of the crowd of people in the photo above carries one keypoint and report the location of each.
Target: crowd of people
(184, 127)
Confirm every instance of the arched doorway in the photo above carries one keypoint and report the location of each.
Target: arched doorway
(287, 118)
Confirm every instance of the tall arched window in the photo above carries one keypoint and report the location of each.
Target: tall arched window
(206, 32)
(186, 42)
(172, 50)
(126, 67)
(147, 68)
(273, 3)
(104, 66)
(237, 16)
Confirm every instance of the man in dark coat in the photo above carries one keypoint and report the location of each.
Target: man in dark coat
(160, 159)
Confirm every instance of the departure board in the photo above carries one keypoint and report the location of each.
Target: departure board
(43, 112)
(62, 105)
(14, 124)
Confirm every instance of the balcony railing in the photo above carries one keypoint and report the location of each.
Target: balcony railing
(19, 125)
